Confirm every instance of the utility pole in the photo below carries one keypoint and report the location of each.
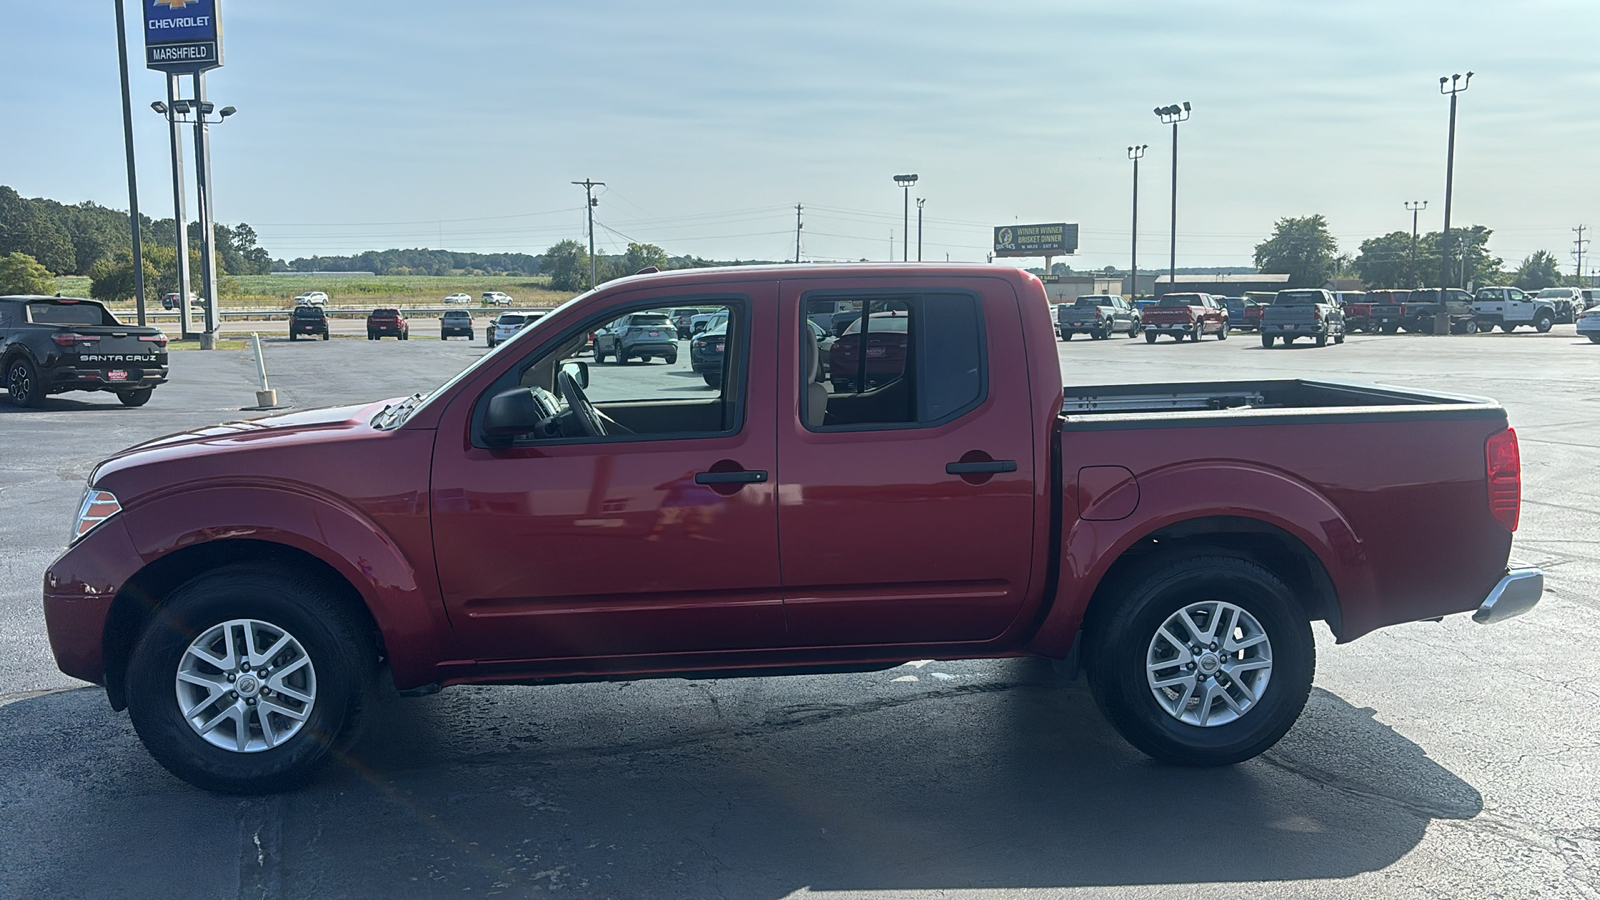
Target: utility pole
(1441, 323)
(1172, 115)
(1414, 207)
(920, 201)
(1577, 248)
(133, 180)
(1135, 154)
(797, 227)
(588, 193)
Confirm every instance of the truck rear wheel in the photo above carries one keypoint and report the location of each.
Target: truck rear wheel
(1149, 337)
(1594, 338)
(1066, 335)
(135, 398)
(248, 678)
(1266, 341)
(1322, 340)
(1206, 662)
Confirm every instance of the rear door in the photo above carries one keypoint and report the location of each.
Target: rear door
(906, 501)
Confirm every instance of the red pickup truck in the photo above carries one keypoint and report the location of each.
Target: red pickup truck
(242, 588)
(1186, 316)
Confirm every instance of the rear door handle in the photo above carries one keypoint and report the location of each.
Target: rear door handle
(980, 468)
(756, 476)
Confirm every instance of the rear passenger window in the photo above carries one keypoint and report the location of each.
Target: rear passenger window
(900, 361)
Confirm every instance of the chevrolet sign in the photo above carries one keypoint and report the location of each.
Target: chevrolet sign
(182, 35)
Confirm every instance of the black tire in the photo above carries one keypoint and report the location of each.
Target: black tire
(1543, 323)
(1149, 337)
(135, 398)
(293, 336)
(342, 656)
(1339, 338)
(325, 335)
(1223, 334)
(1508, 328)
(713, 379)
(1104, 333)
(1594, 338)
(1120, 644)
(443, 338)
(1133, 329)
(671, 360)
(1066, 335)
(1199, 329)
(1266, 341)
(645, 359)
(23, 384)
(405, 335)
(1470, 326)
(1288, 339)
(599, 357)
(1391, 329)
(1322, 340)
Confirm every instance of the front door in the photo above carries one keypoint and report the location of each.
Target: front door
(905, 455)
(657, 535)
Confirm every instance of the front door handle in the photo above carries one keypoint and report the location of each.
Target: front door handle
(982, 467)
(756, 476)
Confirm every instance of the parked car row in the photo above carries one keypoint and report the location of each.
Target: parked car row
(1325, 316)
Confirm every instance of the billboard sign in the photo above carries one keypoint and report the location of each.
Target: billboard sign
(1055, 239)
(181, 35)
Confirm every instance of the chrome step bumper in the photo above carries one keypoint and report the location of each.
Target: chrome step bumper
(1517, 592)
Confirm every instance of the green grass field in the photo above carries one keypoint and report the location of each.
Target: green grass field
(257, 291)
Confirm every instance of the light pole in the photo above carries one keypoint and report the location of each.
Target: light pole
(1172, 115)
(133, 180)
(1414, 207)
(1457, 84)
(174, 110)
(905, 182)
(588, 192)
(921, 201)
(1135, 154)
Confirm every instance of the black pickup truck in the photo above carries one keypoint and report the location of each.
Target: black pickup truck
(50, 345)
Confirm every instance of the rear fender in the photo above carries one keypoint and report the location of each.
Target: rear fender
(1192, 491)
(404, 603)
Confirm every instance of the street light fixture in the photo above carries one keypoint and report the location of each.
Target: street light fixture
(920, 201)
(1135, 154)
(905, 182)
(1172, 115)
(173, 111)
(1457, 85)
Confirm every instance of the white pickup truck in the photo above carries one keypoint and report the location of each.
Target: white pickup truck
(1509, 307)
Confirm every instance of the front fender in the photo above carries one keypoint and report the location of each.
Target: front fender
(1200, 490)
(399, 588)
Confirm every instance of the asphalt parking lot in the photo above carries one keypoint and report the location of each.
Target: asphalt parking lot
(1434, 759)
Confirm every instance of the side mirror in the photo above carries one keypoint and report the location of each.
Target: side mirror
(579, 370)
(511, 413)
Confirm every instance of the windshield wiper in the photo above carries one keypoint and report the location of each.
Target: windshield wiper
(395, 414)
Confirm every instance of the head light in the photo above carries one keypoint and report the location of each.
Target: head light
(97, 507)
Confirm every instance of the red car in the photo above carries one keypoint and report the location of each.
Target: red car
(885, 357)
(388, 323)
(243, 589)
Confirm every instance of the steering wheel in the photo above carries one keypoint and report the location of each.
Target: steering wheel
(587, 417)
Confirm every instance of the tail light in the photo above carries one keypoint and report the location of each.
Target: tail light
(157, 339)
(1317, 311)
(1503, 462)
(72, 340)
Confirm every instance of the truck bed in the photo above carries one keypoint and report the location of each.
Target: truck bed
(1258, 403)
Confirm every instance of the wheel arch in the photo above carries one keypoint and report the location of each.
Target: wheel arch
(142, 595)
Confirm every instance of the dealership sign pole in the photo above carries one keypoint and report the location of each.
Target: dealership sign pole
(184, 37)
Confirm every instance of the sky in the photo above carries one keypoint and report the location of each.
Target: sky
(369, 125)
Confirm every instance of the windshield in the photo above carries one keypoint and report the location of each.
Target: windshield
(1298, 298)
(512, 320)
(1091, 302)
(650, 320)
(308, 312)
(56, 312)
(1556, 293)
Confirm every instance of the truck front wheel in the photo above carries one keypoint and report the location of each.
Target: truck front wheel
(1206, 662)
(1543, 323)
(248, 678)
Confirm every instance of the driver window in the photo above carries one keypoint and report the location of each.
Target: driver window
(631, 374)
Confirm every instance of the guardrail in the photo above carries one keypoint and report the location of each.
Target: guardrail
(283, 312)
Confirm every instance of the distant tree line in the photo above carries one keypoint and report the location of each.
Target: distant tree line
(74, 239)
(419, 261)
(567, 264)
(1303, 249)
